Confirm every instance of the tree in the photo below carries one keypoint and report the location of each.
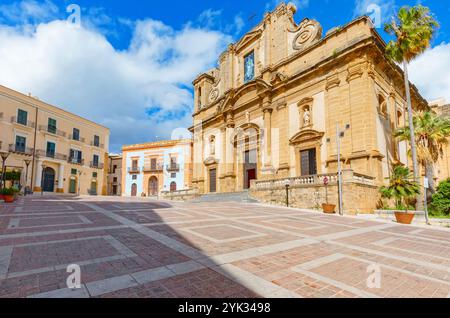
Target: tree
(401, 187)
(441, 199)
(431, 133)
(413, 29)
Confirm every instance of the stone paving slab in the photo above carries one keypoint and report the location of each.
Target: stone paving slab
(136, 247)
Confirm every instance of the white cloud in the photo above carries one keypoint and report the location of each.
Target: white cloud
(79, 70)
(430, 72)
(28, 11)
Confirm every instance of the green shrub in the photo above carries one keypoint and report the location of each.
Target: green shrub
(8, 191)
(441, 199)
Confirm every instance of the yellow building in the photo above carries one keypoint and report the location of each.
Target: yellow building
(152, 168)
(66, 153)
(273, 106)
(114, 175)
(442, 168)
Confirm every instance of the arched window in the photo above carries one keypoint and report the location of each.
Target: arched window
(173, 186)
(382, 105)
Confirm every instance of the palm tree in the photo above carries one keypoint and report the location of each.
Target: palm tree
(413, 28)
(431, 133)
(401, 187)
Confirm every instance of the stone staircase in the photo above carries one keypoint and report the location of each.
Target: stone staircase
(242, 197)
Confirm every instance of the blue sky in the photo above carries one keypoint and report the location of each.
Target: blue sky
(132, 62)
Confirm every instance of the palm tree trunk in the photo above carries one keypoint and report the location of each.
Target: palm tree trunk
(429, 172)
(412, 133)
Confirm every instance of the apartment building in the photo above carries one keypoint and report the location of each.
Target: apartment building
(114, 175)
(151, 168)
(65, 153)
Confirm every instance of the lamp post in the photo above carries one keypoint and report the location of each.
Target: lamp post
(340, 133)
(287, 184)
(42, 179)
(27, 163)
(4, 156)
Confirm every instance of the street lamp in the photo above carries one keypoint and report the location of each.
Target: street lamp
(287, 184)
(27, 163)
(4, 156)
(42, 179)
(340, 133)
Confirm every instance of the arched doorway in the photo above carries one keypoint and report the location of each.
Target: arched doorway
(173, 186)
(49, 180)
(153, 186)
(247, 141)
(134, 190)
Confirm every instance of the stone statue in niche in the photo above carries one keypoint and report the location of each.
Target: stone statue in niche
(212, 146)
(306, 117)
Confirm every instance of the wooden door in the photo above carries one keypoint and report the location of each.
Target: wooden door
(212, 180)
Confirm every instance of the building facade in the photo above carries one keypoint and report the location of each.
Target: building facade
(114, 175)
(442, 168)
(66, 153)
(273, 106)
(151, 168)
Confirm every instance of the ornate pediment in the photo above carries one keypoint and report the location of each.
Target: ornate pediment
(210, 161)
(307, 32)
(248, 38)
(305, 136)
(278, 77)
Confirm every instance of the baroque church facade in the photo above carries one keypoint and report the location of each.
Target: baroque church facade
(280, 97)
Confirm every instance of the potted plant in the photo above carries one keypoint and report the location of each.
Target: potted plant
(401, 188)
(8, 194)
(328, 208)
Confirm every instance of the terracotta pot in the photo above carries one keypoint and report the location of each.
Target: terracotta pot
(329, 208)
(404, 217)
(8, 198)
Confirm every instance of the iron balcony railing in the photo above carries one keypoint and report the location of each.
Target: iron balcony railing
(98, 145)
(83, 140)
(173, 167)
(76, 161)
(52, 155)
(96, 165)
(134, 170)
(20, 150)
(154, 168)
(27, 124)
(52, 130)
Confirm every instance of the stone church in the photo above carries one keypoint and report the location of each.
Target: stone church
(285, 92)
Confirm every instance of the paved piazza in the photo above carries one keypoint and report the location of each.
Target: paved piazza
(140, 248)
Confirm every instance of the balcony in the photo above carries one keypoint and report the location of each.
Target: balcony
(76, 161)
(20, 150)
(173, 167)
(134, 170)
(51, 155)
(83, 140)
(154, 168)
(29, 124)
(93, 144)
(96, 165)
(52, 131)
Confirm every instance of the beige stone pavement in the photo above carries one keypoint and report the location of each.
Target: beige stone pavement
(142, 248)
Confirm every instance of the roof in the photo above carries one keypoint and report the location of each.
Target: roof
(156, 144)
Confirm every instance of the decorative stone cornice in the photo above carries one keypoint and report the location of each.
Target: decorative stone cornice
(305, 101)
(332, 82)
(306, 135)
(354, 72)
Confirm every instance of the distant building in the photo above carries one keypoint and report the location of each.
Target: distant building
(114, 179)
(443, 166)
(66, 153)
(150, 168)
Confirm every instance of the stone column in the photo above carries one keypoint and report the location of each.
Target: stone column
(60, 179)
(38, 177)
(268, 137)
